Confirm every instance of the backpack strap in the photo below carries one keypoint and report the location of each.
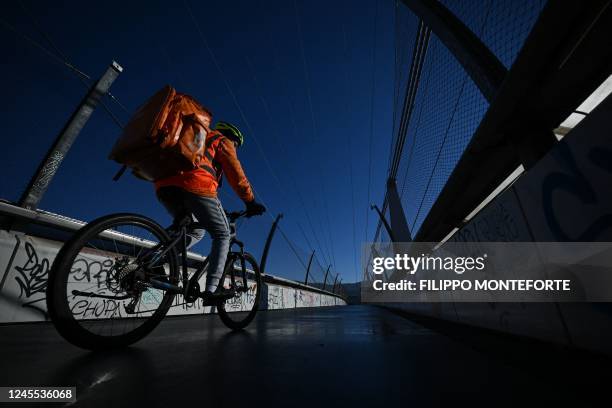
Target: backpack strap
(216, 135)
(209, 170)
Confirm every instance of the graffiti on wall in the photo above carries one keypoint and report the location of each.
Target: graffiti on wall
(572, 182)
(25, 264)
(501, 221)
(29, 274)
(563, 197)
(243, 302)
(276, 298)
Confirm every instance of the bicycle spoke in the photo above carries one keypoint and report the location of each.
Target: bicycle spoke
(238, 311)
(105, 277)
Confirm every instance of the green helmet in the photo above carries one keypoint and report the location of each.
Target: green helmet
(230, 131)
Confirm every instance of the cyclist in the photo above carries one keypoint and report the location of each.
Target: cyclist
(194, 193)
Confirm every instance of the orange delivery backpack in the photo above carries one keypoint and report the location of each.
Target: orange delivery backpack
(165, 136)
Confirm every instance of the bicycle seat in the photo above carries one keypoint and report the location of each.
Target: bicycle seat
(187, 220)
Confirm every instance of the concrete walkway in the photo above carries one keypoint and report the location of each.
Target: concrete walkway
(342, 356)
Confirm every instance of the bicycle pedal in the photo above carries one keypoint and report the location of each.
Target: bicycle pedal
(193, 292)
(228, 295)
(217, 297)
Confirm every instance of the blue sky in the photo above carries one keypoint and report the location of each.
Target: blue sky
(305, 83)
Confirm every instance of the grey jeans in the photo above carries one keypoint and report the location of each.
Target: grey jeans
(209, 214)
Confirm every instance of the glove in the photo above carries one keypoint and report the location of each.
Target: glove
(254, 208)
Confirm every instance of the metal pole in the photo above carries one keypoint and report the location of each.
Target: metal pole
(325, 280)
(384, 221)
(399, 225)
(308, 268)
(334, 288)
(48, 167)
(264, 255)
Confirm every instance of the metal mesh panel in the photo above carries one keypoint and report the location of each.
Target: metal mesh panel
(447, 110)
(406, 30)
(449, 107)
(507, 23)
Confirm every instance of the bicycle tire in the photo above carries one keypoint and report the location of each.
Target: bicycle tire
(238, 320)
(57, 301)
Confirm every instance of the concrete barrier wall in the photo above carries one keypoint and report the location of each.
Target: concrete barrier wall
(564, 197)
(25, 262)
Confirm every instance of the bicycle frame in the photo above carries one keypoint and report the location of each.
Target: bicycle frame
(181, 236)
(186, 281)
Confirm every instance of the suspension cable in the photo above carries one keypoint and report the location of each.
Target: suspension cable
(419, 54)
(311, 109)
(231, 93)
(417, 62)
(350, 154)
(64, 58)
(234, 99)
(294, 185)
(290, 173)
(82, 76)
(373, 92)
(293, 249)
(417, 127)
(452, 117)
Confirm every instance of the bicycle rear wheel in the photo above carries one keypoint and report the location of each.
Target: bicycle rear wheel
(99, 293)
(237, 312)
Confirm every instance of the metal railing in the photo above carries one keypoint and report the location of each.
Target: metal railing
(10, 213)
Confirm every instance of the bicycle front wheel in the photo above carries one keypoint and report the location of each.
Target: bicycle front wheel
(99, 293)
(241, 275)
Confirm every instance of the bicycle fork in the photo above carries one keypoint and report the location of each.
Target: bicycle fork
(243, 271)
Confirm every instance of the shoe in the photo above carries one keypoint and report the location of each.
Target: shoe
(215, 298)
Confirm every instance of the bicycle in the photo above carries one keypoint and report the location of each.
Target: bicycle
(125, 271)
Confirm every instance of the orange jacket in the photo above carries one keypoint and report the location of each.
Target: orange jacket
(219, 157)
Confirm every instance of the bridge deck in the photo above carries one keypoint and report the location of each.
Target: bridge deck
(356, 355)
